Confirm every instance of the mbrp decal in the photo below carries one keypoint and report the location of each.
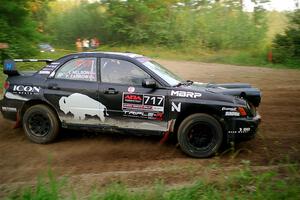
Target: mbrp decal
(26, 89)
(80, 105)
(143, 102)
(179, 93)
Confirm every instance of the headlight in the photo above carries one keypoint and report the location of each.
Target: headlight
(242, 111)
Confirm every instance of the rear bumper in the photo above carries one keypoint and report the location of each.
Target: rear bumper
(9, 110)
(242, 129)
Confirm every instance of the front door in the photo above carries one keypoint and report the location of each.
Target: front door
(129, 104)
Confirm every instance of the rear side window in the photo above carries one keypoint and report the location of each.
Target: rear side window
(84, 69)
(122, 72)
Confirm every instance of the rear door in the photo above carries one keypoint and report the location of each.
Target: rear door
(73, 91)
(129, 104)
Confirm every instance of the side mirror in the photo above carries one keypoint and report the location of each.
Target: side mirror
(149, 83)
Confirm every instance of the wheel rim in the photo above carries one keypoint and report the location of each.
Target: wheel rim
(39, 124)
(201, 136)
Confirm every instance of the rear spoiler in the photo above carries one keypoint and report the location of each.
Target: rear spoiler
(10, 69)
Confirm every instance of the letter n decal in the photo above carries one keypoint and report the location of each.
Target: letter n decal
(175, 107)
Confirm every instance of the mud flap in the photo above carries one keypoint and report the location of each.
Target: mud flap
(166, 134)
(18, 121)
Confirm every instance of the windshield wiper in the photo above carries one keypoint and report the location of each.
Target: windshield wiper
(188, 82)
(179, 84)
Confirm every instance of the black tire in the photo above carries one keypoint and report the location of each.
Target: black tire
(40, 124)
(200, 135)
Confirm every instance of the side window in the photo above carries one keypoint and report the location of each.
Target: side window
(84, 69)
(121, 71)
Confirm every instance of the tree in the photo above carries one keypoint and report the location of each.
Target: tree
(286, 47)
(17, 29)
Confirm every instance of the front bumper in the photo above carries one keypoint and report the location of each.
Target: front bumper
(242, 129)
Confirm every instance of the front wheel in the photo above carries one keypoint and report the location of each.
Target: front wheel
(40, 124)
(200, 135)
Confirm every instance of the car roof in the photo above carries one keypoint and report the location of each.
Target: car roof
(126, 54)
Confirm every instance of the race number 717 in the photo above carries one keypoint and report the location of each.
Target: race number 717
(154, 100)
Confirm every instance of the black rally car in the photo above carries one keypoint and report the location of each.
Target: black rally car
(129, 92)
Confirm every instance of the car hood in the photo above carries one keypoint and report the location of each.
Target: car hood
(242, 90)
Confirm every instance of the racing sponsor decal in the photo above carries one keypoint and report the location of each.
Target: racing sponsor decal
(131, 89)
(228, 109)
(44, 72)
(176, 107)
(156, 116)
(133, 98)
(9, 109)
(9, 65)
(241, 130)
(81, 105)
(144, 115)
(143, 102)
(76, 74)
(232, 112)
(49, 68)
(179, 93)
(10, 95)
(26, 89)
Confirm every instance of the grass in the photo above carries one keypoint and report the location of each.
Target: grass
(242, 184)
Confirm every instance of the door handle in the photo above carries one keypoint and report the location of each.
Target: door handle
(53, 87)
(111, 91)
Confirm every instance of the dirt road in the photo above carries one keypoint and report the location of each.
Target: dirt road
(102, 158)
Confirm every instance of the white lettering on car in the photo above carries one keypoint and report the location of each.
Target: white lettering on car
(179, 93)
(9, 109)
(26, 89)
(241, 130)
(229, 113)
(175, 107)
(228, 109)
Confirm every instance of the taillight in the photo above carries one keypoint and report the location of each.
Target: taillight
(6, 85)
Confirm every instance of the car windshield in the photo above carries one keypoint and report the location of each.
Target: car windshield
(45, 46)
(171, 78)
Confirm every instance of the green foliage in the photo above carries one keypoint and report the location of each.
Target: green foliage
(17, 29)
(46, 189)
(201, 24)
(286, 47)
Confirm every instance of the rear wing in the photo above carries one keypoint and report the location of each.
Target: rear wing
(10, 69)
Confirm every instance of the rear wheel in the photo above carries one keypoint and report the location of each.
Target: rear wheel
(40, 124)
(200, 135)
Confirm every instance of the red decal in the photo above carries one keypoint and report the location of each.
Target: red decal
(133, 97)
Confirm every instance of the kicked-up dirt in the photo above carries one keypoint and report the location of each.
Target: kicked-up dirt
(98, 159)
